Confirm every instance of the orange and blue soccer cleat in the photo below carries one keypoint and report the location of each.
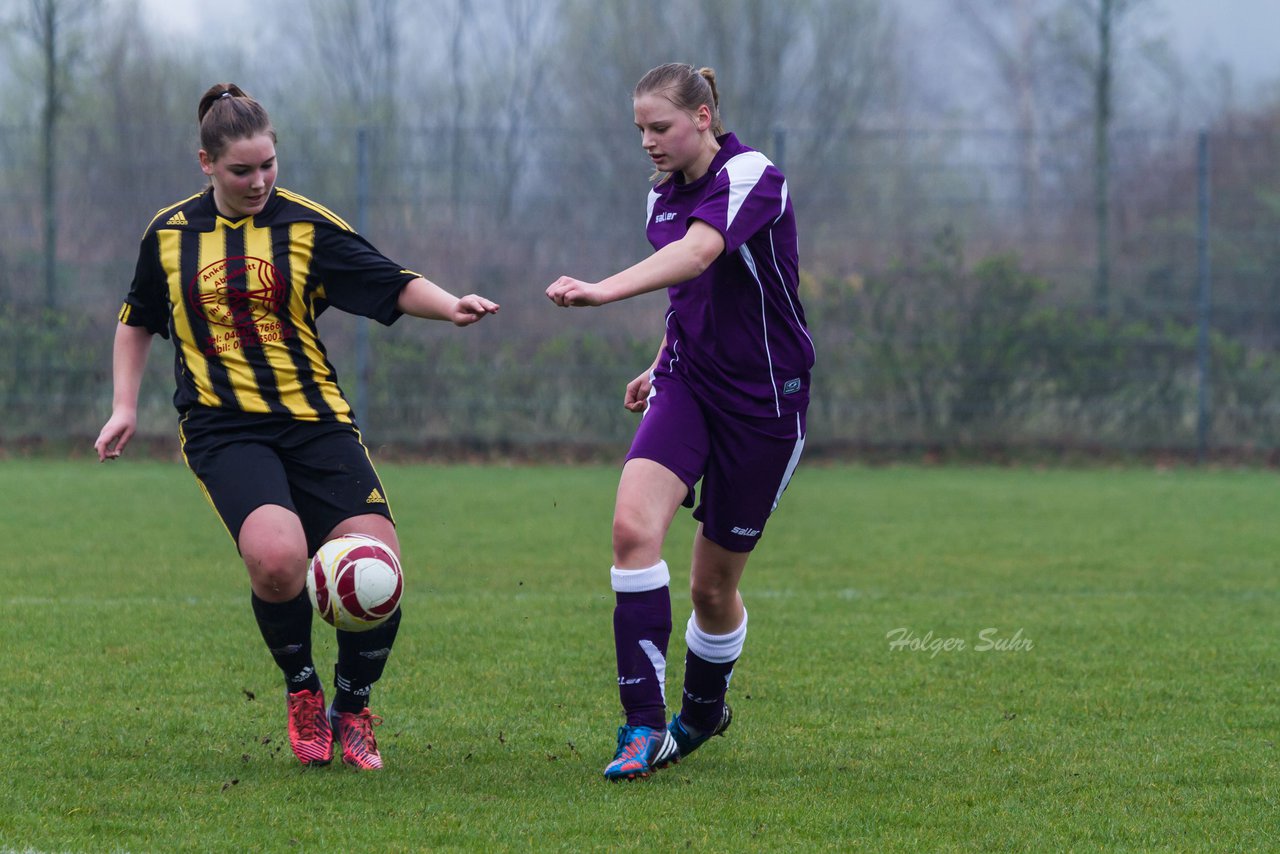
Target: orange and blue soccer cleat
(688, 739)
(641, 750)
(354, 731)
(309, 733)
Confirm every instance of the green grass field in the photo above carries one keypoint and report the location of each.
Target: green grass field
(1137, 708)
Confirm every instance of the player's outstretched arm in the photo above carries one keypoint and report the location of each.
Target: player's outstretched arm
(422, 298)
(128, 361)
(674, 263)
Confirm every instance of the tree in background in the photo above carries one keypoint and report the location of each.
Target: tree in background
(1103, 15)
(501, 54)
(797, 80)
(358, 48)
(1011, 40)
(511, 159)
(58, 31)
(1066, 74)
(1100, 34)
(135, 142)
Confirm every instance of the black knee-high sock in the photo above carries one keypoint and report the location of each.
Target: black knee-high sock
(286, 627)
(361, 659)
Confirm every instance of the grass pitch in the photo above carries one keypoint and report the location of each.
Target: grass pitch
(939, 659)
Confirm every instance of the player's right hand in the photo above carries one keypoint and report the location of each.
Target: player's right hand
(568, 292)
(115, 434)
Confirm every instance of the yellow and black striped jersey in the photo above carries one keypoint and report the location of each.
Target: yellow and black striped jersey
(240, 300)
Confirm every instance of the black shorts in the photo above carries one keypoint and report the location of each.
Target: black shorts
(318, 469)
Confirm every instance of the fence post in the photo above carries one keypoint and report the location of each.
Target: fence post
(780, 149)
(360, 402)
(1203, 414)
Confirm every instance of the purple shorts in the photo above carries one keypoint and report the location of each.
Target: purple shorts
(744, 463)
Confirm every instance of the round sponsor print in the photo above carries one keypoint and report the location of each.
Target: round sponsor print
(238, 291)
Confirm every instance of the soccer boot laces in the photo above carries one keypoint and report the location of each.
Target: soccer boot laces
(310, 735)
(641, 750)
(354, 731)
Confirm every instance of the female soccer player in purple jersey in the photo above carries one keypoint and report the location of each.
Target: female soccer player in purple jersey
(236, 275)
(724, 402)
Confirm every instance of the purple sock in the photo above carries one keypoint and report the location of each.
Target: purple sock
(641, 630)
(708, 667)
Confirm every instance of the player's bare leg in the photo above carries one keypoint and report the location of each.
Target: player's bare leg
(370, 524)
(648, 496)
(713, 585)
(274, 549)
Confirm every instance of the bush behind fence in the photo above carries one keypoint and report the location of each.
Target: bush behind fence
(946, 312)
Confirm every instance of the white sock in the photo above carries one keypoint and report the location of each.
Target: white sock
(717, 649)
(640, 580)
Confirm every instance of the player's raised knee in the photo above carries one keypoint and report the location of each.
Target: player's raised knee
(712, 599)
(276, 568)
(635, 543)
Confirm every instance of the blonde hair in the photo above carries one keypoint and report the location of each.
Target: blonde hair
(686, 87)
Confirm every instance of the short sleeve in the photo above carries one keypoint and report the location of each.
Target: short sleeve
(147, 304)
(356, 277)
(746, 196)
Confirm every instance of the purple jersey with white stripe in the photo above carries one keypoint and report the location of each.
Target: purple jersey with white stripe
(736, 334)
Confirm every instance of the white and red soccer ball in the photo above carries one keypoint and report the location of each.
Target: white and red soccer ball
(354, 582)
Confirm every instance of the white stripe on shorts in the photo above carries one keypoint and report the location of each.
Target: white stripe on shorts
(791, 465)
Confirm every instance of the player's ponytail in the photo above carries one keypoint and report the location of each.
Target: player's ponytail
(709, 75)
(686, 87)
(225, 114)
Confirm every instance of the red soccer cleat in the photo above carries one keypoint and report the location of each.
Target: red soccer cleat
(310, 735)
(355, 732)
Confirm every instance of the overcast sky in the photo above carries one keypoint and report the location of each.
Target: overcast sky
(1242, 34)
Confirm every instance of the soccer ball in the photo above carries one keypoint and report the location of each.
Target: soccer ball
(354, 582)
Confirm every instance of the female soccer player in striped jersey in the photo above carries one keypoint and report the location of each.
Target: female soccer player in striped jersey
(724, 402)
(236, 275)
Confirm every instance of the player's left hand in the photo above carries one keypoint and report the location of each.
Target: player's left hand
(637, 396)
(467, 310)
(566, 292)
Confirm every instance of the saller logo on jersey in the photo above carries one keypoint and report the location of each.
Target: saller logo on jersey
(791, 386)
(664, 217)
(745, 532)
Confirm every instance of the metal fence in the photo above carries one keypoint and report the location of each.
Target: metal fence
(952, 281)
